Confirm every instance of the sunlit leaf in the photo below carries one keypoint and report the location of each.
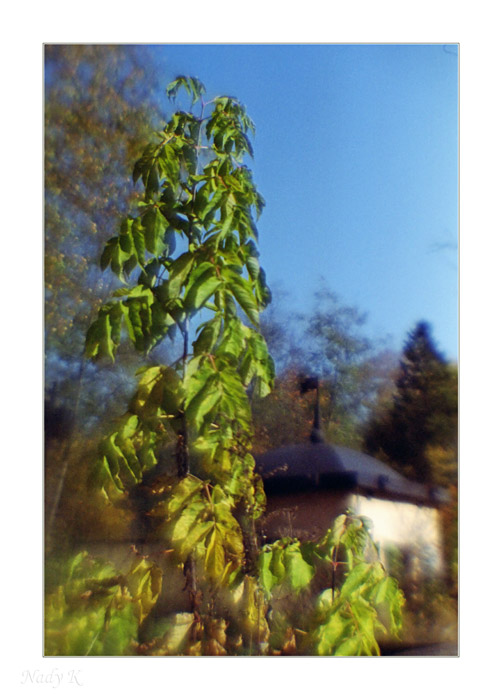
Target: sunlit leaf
(201, 404)
(185, 521)
(268, 580)
(196, 534)
(299, 572)
(182, 493)
(155, 226)
(178, 272)
(144, 582)
(202, 289)
(215, 556)
(208, 336)
(330, 634)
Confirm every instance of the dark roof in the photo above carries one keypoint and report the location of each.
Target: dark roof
(313, 466)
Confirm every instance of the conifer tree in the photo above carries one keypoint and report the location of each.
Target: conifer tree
(423, 412)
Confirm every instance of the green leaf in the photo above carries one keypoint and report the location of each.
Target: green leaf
(75, 562)
(227, 222)
(241, 289)
(197, 372)
(261, 388)
(118, 461)
(151, 181)
(134, 322)
(355, 579)
(115, 313)
(169, 164)
(324, 603)
(138, 235)
(159, 387)
(108, 251)
(144, 582)
(194, 87)
(263, 293)
(90, 613)
(257, 362)
(299, 572)
(233, 341)
(247, 369)
(102, 334)
(185, 522)
(201, 405)
(349, 647)
(208, 336)
(120, 630)
(150, 271)
(178, 273)
(338, 529)
(197, 87)
(125, 237)
(202, 289)
(215, 556)
(267, 578)
(253, 267)
(103, 478)
(118, 259)
(155, 226)
(196, 534)
(331, 633)
(277, 567)
(382, 590)
(211, 207)
(183, 493)
(365, 616)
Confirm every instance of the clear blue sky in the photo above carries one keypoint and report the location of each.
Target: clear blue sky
(356, 156)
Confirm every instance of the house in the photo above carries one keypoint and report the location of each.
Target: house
(308, 485)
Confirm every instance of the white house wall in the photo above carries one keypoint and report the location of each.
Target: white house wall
(413, 529)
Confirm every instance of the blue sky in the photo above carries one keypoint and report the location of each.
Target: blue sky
(356, 156)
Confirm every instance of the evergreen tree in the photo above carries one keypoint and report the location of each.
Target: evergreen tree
(423, 413)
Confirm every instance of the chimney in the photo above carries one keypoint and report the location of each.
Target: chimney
(310, 384)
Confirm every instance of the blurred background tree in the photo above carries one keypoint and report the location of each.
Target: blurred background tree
(98, 109)
(329, 342)
(100, 103)
(416, 431)
(414, 428)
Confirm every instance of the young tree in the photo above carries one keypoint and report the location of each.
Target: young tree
(198, 192)
(423, 414)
